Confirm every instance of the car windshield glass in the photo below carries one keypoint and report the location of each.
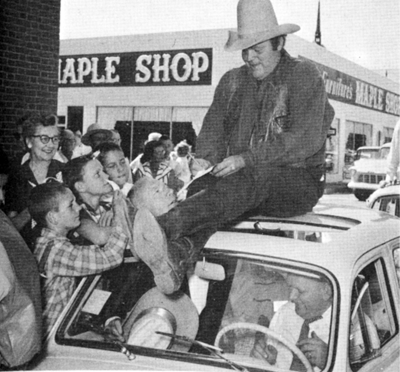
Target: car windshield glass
(384, 152)
(367, 154)
(227, 302)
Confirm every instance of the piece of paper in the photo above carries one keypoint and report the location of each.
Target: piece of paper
(96, 301)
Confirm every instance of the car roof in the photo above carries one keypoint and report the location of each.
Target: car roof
(349, 233)
(385, 191)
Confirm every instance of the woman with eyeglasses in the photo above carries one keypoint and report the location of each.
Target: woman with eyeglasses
(42, 137)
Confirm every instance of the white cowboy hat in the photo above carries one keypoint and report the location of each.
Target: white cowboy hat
(93, 129)
(256, 23)
(178, 305)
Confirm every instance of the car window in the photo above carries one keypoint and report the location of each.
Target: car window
(373, 321)
(237, 302)
(388, 204)
(396, 259)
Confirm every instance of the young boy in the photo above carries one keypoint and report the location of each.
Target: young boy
(53, 207)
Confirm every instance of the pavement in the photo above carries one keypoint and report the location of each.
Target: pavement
(337, 188)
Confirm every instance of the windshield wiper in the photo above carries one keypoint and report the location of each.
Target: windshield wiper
(210, 348)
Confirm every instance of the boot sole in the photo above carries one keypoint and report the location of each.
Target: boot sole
(151, 246)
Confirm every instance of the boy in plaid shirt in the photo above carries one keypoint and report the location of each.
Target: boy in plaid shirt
(54, 208)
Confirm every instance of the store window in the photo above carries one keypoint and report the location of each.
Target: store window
(357, 135)
(373, 322)
(387, 134)
(332, 149)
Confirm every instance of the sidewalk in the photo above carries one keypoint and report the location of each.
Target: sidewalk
(337, 188)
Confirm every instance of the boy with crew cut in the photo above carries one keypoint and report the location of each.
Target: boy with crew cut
(54, 208)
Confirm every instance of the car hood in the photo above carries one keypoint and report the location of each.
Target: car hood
(370, 165)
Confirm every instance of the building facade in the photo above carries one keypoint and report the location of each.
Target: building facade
(165, 82)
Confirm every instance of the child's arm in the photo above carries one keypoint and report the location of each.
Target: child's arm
(97, 234)
(75, 260)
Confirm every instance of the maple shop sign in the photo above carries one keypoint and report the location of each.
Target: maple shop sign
(174, 67)
(345, 88)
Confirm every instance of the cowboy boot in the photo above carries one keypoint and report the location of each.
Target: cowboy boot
(201, 211)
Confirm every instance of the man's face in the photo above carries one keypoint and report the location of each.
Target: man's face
(68, 211)
(68, 143)
(156, 196)
(310, 296)
(94, 180)
(98, 138)
(261, 59)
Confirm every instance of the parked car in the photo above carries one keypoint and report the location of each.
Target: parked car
(368, 172)
(233, 293)
(386, 199)
(363, 152)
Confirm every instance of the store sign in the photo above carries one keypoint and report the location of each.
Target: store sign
(174, 67)
(345, 88)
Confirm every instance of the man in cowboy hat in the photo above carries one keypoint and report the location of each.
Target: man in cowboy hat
(264, 133)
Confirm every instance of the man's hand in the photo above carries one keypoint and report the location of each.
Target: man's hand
(198, 165)
(228, 166)
(315, 350)
(114, 328)
(264, 352)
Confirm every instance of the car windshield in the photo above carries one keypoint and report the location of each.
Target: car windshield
(227, 301)
(367, 154)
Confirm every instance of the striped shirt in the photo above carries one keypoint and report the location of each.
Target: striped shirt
(63, 262)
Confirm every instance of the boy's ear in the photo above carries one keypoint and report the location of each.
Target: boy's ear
(51, 218)
(79, 186)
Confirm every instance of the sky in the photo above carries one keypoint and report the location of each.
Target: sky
(363, 31)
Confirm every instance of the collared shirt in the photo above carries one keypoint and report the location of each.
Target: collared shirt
(65, 262)
(281, 121)
(288, 324)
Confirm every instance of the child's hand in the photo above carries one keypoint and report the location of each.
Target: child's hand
(106, 219)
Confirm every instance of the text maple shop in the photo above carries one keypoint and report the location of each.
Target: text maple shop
(177, 67)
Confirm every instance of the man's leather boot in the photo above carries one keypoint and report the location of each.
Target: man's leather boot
(201, 211)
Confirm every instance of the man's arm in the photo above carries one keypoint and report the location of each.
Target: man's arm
(97, 234)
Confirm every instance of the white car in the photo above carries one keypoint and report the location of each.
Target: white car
(386, 199)
(235, 289)
(368, 172)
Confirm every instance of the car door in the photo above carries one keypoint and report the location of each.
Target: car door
(374, 330)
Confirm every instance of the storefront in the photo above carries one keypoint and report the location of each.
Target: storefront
(166, 82)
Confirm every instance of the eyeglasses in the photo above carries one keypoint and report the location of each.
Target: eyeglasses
(45, 139)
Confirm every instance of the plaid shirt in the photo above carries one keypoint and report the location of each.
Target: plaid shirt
(66, 261)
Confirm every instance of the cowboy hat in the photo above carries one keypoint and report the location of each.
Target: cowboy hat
(256, 23)
(94, 129)
(177, 309)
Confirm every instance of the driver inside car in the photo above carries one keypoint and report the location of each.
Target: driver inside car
(305, 321)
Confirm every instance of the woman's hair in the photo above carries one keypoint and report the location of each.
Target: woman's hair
(104, 148)
(73, 172)
(43, 199)
(31, 122)
(149, 150)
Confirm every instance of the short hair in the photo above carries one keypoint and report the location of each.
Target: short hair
(149, 150)
(276, 40)
(73, 172)
(43, 199)
(104, 148)
(164, 137)
(136, 193)
(34, 121)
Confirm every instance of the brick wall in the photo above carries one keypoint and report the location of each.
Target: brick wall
(29, 48)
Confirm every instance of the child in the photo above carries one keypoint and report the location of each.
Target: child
(114, 163)
(53, 207)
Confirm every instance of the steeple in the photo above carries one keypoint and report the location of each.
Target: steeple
(318, 30)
